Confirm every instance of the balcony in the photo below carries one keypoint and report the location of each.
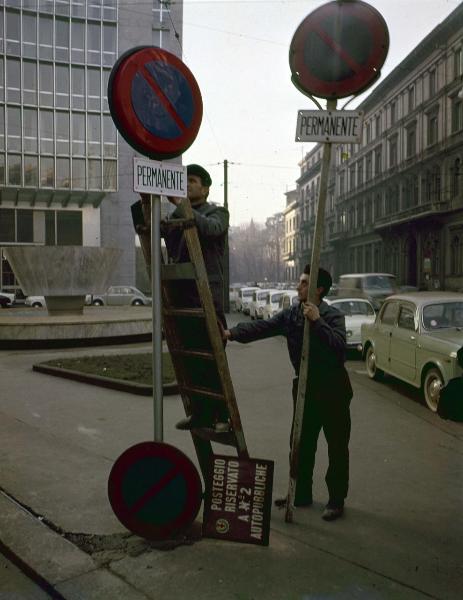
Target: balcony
(413, 213)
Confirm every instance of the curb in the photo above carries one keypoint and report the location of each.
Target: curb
(140, 389)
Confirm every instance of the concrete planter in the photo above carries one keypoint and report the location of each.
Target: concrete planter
(63, 274)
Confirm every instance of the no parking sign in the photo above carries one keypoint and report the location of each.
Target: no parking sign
(155, 102)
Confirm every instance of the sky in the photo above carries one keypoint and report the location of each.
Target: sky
(238, 52)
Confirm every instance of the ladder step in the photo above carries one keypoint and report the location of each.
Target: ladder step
(178, 271)
(177, 224)
(208, 434)
(193, 353)
(184, 312)
(188, 389)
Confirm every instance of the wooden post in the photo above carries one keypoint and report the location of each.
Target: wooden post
(304, 376)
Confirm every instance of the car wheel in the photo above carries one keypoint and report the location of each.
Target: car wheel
(36, 305)
(370, 363)
(432, 385)
(97, 303)
(137, 303)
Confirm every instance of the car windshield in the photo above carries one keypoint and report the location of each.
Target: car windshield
(443, 315)
(276, 297)
(262, 296)
(380, 282)
(247, 293)
(353, 307)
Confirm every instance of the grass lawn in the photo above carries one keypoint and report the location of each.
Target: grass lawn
(129, 367)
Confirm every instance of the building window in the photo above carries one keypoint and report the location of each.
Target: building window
(7, 225)
(432, 129)
(2, 128)
(368, 132)
(29, 82)
(46, 37)
(62, 86)
(62, 133)
(378, 206)
(432, 83)
(411, 141)
(378, 161)
(352, 178)
(30, 138)
(415, 190)
(29, 36)
(368, 166)
(31, 171)
(456, 255)
(458, 63)
(393, 112)
(13, 80)
(93, 89)
(109, 44)
(24, 226)
(69, 228)
(12, 33)
(109, 137)
(368, 211)
(94, 135)
(62, 173)
(93, 43)
(360, 173)
(455, 182)
(378, 125)
(393, 151)
(62, 40)
(94, 175)
(78, 134)
(457, 114)
(411, 98)
(78, 173)
(46, 132)
(78, 87)
(77, 42)
(46, 84)
(14, 128)
(47, 172)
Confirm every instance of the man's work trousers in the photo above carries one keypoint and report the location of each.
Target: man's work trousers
(333, 416)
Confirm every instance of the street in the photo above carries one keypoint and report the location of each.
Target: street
(400, 536)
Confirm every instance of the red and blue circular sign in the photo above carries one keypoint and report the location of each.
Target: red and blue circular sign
(339, 49)
(155, 490)
(155, 102)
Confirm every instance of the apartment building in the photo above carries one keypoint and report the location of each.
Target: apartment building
(395, 200)
(65, 173)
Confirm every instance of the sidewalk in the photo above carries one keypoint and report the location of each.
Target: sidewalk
(400, 538)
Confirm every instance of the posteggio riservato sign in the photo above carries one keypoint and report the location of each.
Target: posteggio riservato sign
(329, 125)
(153, 177)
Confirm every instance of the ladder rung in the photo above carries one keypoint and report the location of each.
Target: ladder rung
(184, 312)
(201, 391)
(178, 224)
(178, 271)
(193, 353)
(208, 434)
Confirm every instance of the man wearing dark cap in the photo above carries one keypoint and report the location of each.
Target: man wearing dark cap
(328, 388)
(212, 225)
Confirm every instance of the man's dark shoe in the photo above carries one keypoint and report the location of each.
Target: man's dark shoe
(187, 424)
(222, 427)
(332, 512)
(281, 502)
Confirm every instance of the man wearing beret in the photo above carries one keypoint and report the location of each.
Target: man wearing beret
(212, 225)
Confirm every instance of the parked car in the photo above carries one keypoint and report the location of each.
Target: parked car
(289, 298)
(9, 296)
(244, 298)
(120, 295)
(357, 311)
(416, 338)
(256, 306)
(272, 305)
(5, 301)
(375, 287)
(39, 301)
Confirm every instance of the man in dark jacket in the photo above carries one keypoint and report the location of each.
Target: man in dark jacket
(212, 224)
(328, 388)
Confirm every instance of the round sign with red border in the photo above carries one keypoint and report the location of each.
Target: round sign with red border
(155, 102)
(155, 490)
(339, 49)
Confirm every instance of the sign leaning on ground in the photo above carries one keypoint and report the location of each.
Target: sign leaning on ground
(153, 177)
(238, 500)
(329, 125)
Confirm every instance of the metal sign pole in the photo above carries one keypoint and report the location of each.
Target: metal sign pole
(304, 376)
(157, 317)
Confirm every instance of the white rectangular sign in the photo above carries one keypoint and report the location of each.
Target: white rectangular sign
(153, 177)
(329, 125)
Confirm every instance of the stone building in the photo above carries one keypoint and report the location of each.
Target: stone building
(395, 201)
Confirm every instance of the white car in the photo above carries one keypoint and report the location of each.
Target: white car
(39, 301)
(357, 312)
(244, 299)
(289, 298)
(11, 297)
(259, 299)
(272, 306)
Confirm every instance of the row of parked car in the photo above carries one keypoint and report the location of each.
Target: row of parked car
(415, 336)
(117, 295)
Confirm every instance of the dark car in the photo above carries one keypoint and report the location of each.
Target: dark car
(5, 301)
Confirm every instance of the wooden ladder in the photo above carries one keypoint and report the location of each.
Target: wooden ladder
(194, 340)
